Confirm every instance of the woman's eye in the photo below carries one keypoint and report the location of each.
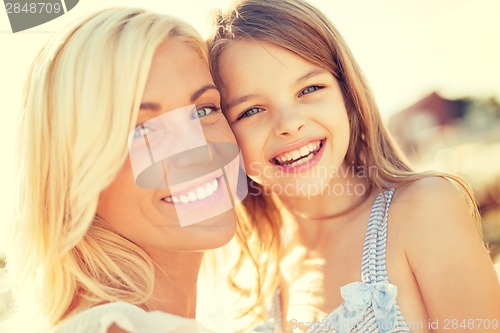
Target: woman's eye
(250, 112)
(141, 131)
(309, 90)
(204, 111)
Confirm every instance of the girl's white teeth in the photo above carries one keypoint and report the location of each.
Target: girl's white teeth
(304, 152)
(295, 154)
(301, 161)
(199, 193)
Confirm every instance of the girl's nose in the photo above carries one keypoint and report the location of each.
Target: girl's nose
(288, 122)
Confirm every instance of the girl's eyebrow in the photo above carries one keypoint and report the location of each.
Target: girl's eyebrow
(314, 72)
(239, 100)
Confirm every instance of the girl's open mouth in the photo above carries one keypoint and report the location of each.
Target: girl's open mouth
(300, 157)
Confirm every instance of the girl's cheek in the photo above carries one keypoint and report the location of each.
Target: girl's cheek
(242, 137)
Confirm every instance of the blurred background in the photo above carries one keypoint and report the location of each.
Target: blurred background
(433, 65)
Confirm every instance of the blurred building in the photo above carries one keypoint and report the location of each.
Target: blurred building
(462, 137)
(421, 123)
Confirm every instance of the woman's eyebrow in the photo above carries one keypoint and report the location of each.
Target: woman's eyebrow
(201, 91)
(149, 106)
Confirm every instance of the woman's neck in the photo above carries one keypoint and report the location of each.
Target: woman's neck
(176, 277)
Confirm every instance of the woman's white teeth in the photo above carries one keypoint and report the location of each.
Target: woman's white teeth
(199, 193)
(304, 153)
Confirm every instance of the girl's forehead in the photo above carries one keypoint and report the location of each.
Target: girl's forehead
(254, 55)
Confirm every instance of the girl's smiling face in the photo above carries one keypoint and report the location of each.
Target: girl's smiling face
(288, 117)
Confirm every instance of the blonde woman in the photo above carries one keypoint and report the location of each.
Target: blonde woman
(122, 183)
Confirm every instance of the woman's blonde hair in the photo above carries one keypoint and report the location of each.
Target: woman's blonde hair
(81, 101)
(300, 28)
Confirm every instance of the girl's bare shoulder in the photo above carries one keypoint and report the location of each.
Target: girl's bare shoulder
(434, 226)
(431, 209)
(430, 202)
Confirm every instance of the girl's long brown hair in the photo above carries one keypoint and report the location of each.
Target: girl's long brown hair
(299, 27)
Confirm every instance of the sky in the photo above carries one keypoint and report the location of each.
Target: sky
(406, 49)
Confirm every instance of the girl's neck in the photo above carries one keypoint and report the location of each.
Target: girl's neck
(176, 277)
(314, 216)
(342, 194)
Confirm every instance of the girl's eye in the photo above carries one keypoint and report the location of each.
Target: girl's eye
(309, 90)
(250, 112)
(204, 111)
(141, 131)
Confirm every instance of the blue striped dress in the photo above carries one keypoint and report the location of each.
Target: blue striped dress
(369, 305)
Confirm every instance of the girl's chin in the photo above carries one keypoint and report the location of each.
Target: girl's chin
(298, 188)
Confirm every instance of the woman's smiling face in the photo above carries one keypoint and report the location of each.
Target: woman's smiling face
(179, 94)
(288, 117)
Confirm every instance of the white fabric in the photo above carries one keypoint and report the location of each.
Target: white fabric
(130, 318)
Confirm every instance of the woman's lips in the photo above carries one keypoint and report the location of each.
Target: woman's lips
(203, 195)
(193, 190)
(199, 193)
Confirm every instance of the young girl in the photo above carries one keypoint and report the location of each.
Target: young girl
(103, 242)
(369, 245)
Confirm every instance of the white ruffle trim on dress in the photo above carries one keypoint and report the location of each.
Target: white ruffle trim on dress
(131, 319)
